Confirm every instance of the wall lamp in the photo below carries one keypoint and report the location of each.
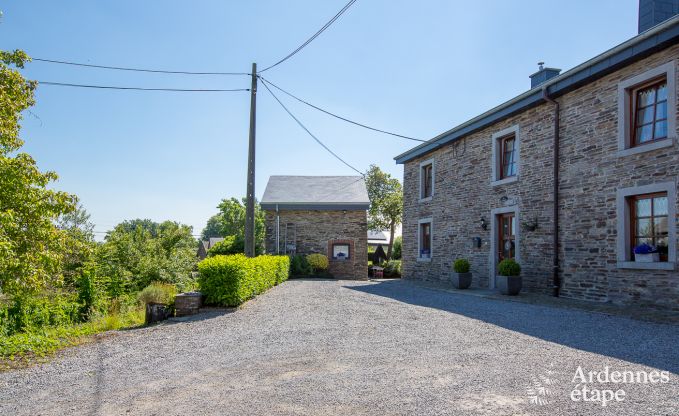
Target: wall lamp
(484, 225)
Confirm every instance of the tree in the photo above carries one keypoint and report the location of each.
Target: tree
(31, 246)
(80, 243)
(386, 202)
(231, 222)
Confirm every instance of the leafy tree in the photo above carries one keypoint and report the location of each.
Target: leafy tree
(80, 243)
(31, 246)
(386, 202)
(398, 248)
(231, 222)
(139, 252)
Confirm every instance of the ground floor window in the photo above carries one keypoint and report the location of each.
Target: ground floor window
(649, 222)
(425, 239)
(340, 251)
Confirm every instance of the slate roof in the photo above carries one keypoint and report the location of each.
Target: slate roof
(316, 192)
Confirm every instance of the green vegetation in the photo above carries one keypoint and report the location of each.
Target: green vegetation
(386, 203)
(509, 267)
(398, 247)
(299, 266)
(232, 280)
(461, 266)
(318, 262)
(392, 268)
(230, 222)
(158, 292)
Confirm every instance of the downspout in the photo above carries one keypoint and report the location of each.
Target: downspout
(278, 231)
(556, 281)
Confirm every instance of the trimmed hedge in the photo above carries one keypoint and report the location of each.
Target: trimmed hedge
(232, 280)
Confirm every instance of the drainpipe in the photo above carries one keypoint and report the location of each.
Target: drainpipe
(556, 282)
(278, 231)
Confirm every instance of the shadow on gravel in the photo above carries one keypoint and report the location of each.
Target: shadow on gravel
(650, 344)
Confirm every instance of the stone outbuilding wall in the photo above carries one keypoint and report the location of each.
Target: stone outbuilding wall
(315, 231)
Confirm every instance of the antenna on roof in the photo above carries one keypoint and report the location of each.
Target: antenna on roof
(541, 65)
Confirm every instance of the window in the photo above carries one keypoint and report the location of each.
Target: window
(505, 156)
(424, 240)
(646, 111)
(426, 179)
(649, 222)
(340, 251)
(508, 162)
(507, 236)
(650, 113)
(647, 214)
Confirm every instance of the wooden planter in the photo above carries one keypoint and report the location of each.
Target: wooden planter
(188, 303)
(156, 312)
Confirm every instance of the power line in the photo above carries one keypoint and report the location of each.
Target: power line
(120, 68)
(109, 87)
(336, 116)
(308, 41)
(310, 134)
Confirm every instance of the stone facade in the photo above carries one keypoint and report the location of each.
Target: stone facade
(591, 173)
(315, 231)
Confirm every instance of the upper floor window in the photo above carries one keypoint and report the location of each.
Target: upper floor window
(650, 109)
(505, 156)
(426, 179)
(647, 111)
(508, 163)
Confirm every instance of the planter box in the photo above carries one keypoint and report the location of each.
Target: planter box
(461, 280)
(509, 285)
(156, 312)
(647, 258)
(188, 303)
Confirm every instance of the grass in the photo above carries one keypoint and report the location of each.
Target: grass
(23, 349)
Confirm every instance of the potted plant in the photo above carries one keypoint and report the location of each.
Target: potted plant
(646, 253)
(509, 280)
(461, 276)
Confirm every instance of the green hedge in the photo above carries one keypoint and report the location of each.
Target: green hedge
(231, 280)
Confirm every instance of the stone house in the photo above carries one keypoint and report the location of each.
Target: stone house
(205, 245)
(567, 178)
(319, 214)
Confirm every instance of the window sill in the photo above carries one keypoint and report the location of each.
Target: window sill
(661, 265)
(660, 144)
(427, 199)
(424, 259)
(504, 181)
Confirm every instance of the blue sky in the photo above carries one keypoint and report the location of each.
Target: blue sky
(414, 67)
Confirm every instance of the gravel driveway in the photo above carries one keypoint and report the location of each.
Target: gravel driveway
(341, 347)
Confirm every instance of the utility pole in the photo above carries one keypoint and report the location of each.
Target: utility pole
(250, 204)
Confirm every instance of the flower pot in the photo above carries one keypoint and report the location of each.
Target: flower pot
(509, 285)
(647, 258)
(461, 280)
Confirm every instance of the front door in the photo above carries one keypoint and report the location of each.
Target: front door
(506, 236)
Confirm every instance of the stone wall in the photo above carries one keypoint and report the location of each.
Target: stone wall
(316, 231)
(591, 173)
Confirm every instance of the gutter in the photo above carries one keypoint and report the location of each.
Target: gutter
(556, 281)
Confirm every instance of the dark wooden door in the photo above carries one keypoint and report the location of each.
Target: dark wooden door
(506, 236)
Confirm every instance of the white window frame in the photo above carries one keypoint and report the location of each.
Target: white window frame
(431, 239)
(497, 155)
(494, 232)
(624, 251)
(348, 257)
(625, 97)
(433, 179)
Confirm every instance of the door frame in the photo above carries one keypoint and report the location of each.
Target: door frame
(493, 257)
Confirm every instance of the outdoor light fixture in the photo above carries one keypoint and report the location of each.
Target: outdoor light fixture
(484, 226)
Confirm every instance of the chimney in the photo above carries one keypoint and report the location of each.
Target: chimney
(654, 12)
(543, 74)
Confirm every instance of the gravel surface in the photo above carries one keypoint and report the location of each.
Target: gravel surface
(340, 347)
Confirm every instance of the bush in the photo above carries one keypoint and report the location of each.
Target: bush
(232, 280)
(318, 262)
(231, 244)
(509, 267)
(28, 313)
(392, 268)
(299, 266)
(461, 266)
(397, 247)
(158, 292)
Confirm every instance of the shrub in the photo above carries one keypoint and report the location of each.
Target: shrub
(299, 266)
(158, 292)
(232, 280)
(231, 244)
(509, 267)
(28, 313)
(461, 266)
(318, 262)
(392, 268)
(397, 248)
